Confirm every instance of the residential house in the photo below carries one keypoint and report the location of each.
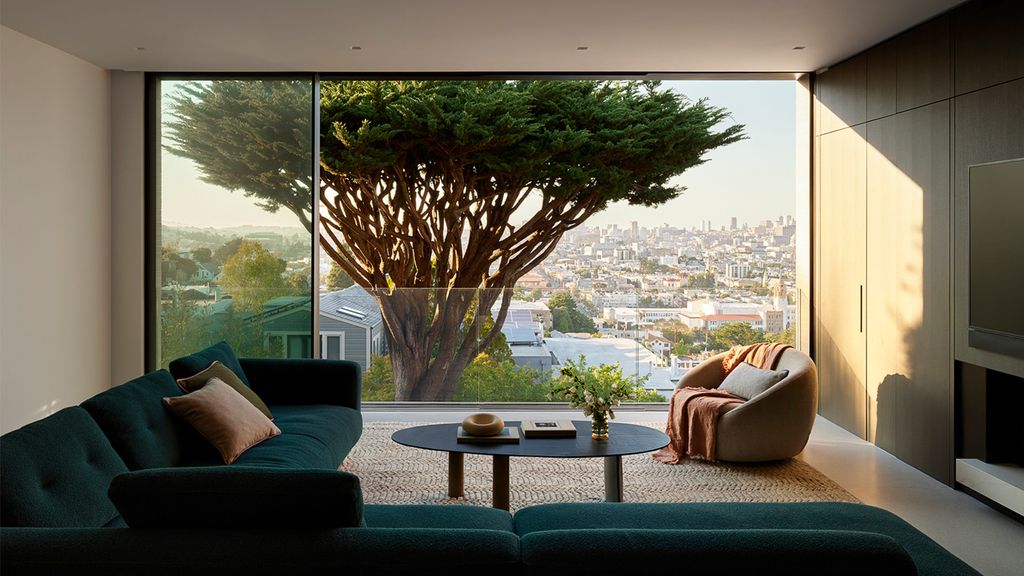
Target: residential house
(351, 326)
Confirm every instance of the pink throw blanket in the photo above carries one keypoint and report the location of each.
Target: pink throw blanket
(692, 423)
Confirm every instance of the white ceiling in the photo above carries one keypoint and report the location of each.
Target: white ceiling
(465, 35)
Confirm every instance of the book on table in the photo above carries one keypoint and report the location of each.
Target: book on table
(508, 435)
(549, 429)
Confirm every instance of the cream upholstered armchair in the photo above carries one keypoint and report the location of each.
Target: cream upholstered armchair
(773, 425)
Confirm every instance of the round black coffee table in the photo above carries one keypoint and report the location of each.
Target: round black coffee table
(623, 439)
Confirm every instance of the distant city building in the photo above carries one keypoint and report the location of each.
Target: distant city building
(532, 280)
(737, 270)
(658, 344)
(774, 321)
(715, 321)
(620, 254)
(202, 274)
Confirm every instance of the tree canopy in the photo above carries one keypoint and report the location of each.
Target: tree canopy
(248, 135)
(252, 276)
(337, 279)
(734, 334)
(566, 315)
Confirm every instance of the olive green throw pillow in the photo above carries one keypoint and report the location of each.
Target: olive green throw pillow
(226, 419)
(218, 370)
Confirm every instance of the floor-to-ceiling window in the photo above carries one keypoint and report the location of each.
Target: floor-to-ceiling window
(232, 168)
(475, 237)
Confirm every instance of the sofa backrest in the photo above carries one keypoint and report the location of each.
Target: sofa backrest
(56, 471)
(733, 551)
(140, 428)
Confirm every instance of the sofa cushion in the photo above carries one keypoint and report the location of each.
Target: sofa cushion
(436, 516)
(56, 472)
(140, 428)
(194, 363)
(594, 552)
(316, 436)
(238, 497)
(224, 417)
(929, 557)
(218, 370)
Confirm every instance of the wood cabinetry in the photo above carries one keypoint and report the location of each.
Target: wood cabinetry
(987, 43)
(841, 267)
(898, 126)
(909, 368)
(841, 94)
(883, 343)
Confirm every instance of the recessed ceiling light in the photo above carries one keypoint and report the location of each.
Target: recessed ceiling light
(581, 48)
(355, 47)
(799, 47)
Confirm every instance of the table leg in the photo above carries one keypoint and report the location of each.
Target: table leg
(456, 474)
(500, 487)
(613, 478)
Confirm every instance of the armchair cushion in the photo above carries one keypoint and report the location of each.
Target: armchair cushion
(238, 497)
(747, 381)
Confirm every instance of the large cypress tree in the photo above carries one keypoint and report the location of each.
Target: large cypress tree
(420, 181)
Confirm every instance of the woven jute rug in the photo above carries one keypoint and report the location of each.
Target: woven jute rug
(395, 474)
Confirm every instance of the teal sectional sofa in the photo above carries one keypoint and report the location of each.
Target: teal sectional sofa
(284, 508)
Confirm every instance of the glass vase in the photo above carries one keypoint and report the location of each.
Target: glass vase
(599, 426)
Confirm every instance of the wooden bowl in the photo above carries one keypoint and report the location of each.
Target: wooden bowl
(483, 424)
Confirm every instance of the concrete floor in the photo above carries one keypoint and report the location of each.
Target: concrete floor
(986, 539)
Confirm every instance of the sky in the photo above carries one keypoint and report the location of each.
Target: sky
(753, 180)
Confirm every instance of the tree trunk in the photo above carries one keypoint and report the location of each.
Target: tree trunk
(433, 341)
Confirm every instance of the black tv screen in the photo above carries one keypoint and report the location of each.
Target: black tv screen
(997, 257)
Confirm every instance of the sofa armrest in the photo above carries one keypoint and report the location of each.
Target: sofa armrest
(305, 381)
(225, 497)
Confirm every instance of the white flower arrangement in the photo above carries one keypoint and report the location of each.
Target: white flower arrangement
(595, 389)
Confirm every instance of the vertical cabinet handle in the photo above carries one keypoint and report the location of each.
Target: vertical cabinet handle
(861, 309)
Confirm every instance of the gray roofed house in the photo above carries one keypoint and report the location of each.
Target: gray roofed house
(351, 326)
(524, 334)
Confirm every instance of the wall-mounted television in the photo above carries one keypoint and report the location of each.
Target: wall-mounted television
(996, 290)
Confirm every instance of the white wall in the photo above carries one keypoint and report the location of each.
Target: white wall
(55, 239)
(127, 208)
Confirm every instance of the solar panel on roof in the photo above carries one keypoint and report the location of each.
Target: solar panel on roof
(520, 336)
(352, 312)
